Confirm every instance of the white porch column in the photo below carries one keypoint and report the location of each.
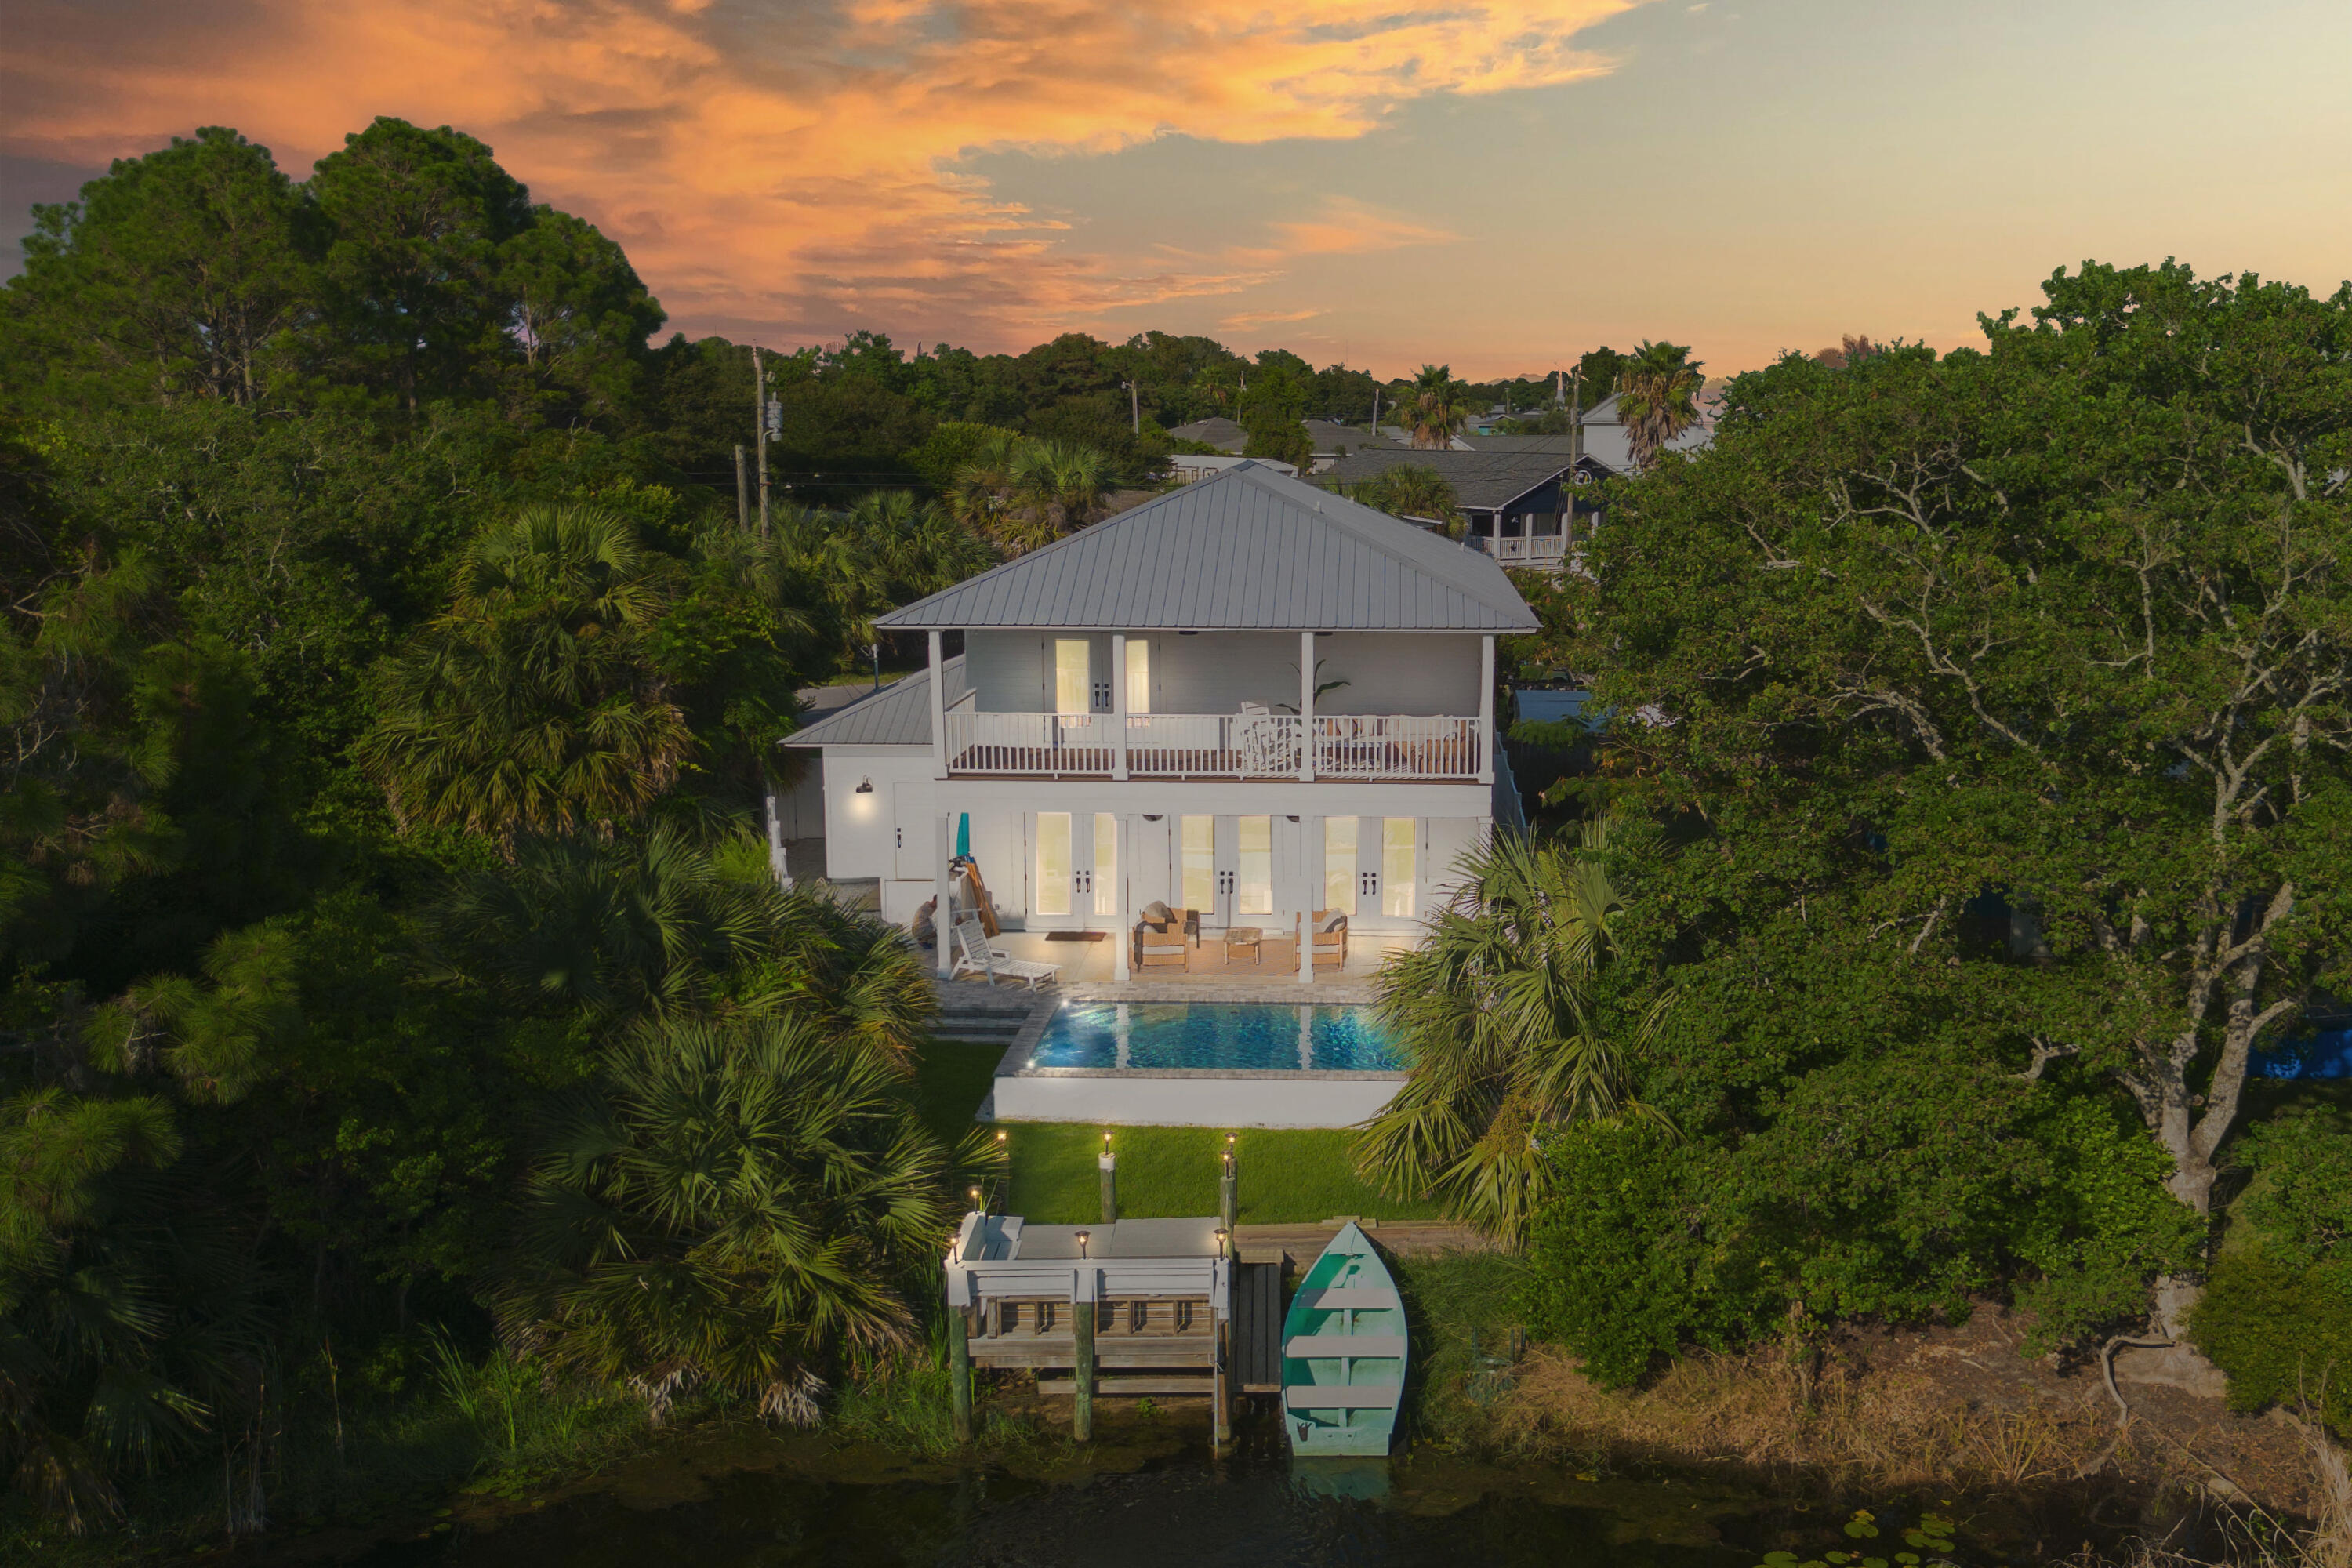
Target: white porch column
(1122, 935)
(943, 918)
(1486, 709)
(1310, 861)
(1119, 722)
(1307, 706)
(939, 712)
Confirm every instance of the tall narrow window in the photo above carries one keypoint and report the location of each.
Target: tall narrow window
(1053, 862)
(1200, 864)
(1138, 675)
(1339, 863)
(1253, 891)
(1071, 668)
(1398, 838)
(1106, 864)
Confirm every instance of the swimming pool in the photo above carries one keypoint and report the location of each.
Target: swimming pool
(1210, 1036)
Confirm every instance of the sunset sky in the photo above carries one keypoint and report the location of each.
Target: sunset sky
(1502, 184)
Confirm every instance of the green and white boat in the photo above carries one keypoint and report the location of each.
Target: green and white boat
(1343, 1353)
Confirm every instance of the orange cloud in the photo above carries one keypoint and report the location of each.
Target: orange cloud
(1347, 227)
(795, 164)
(1249, 320)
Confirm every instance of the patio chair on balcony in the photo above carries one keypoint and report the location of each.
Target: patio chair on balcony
(1162, 937)
(974, 956)
(1263, 742)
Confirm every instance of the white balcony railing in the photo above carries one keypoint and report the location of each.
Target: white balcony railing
(1542, 547)
(1383, 746)
(1212, 745)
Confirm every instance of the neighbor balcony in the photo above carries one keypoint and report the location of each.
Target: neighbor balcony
(1538, 550)
(1362, 746)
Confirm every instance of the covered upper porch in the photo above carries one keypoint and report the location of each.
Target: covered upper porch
(1077, 703)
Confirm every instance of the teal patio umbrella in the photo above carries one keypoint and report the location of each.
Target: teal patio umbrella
(963, 836)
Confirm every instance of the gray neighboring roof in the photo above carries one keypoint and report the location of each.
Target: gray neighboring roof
(1329, 435)
(1248, 550)
(1482, 481)
(898, 715)
(1215, 431)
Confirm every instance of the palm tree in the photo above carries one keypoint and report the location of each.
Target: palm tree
(1439, 404)
(1497, 1007)
(1061, 486)
(737, 1206)
(528, 704)
(660, 926)
(983, 485)
(1658, 397)
(129, 1313)
(1412, 490)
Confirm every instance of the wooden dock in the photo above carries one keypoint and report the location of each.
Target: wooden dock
(1142, 1346)
(1301, 1244)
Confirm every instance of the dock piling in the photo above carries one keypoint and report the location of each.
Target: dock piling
(1229, 1188)
(1082, 1372)
(960, 1371)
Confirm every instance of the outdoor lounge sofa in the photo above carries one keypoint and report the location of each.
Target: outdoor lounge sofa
(1163, 935)
(1329, 946)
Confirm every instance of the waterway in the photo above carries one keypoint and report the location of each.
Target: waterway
(1155, 1500)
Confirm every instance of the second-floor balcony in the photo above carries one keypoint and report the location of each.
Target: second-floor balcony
(1538, 550)
(1213, 745)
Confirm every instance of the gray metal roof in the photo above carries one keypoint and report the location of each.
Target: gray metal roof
(1215, 431)
(1482, 481)
(1249, 550)
(898, 715)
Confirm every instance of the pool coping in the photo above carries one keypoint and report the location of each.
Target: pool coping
(1014, 1062)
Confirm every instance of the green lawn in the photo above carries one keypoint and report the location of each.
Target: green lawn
(1287, 1175)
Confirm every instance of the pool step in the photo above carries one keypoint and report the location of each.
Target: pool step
(973, 1022)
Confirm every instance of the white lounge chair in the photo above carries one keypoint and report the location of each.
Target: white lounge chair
(974, 956)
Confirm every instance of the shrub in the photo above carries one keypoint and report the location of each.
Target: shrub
(1622, 1271)
(2277, 1313)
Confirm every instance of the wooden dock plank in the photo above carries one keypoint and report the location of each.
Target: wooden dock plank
(1257, 1327)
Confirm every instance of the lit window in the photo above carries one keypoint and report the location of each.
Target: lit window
(1071, 668)
(1398, 838)
(1053, 862)
(1199, 863)
(1138, 675)
(1254, 894)
(1339, 863)
(1106, 864)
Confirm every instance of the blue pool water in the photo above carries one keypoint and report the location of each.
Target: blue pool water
(1253, 1036)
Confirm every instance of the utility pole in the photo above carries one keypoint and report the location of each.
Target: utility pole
(1376, 409)
(760, 426)
(742, 491)
(1134, 407)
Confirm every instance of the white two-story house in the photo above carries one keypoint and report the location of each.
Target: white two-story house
(1247, 698)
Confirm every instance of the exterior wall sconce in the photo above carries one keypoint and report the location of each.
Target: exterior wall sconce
(864, 786)
(1152, 817)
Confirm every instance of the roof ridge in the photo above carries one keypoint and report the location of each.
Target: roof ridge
(1373, 538)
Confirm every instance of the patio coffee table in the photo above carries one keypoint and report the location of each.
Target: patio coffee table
(1244, 936)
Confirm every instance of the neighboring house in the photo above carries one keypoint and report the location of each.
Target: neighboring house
(1604, 440)
(1329, 439)
(1135, 718)
(1216, 431)
(1190, 468)
(1518, 504)
(1332, 441)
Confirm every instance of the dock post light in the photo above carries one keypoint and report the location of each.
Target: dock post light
(1082, 1244)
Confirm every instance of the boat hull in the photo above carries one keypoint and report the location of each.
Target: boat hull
(1345, 1350)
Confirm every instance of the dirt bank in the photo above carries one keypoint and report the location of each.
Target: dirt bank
(1949, 1405)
